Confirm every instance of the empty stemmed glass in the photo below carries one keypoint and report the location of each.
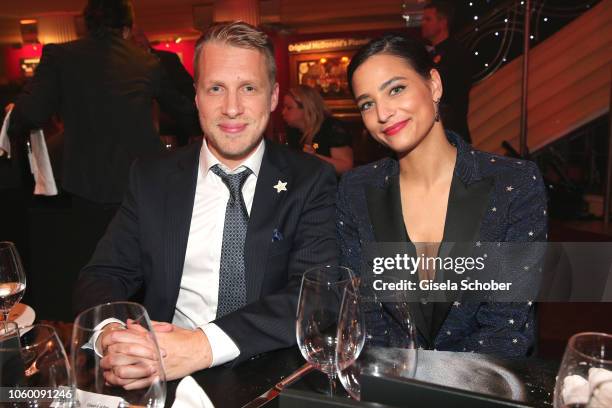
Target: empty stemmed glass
(585, 374)
(33, 357)
(12, 278)
(317, 316)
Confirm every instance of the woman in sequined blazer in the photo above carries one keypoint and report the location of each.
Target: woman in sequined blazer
(436, 189)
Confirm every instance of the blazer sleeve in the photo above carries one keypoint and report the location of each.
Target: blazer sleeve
(508, 329)
(269, 323)
(114, 272)
(40, 97)
(347, 230)
(182, 109)
(179, 76)
(381, 326)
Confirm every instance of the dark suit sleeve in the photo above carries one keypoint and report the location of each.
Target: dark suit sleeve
(180, 107)
(40, 97)
(269, 323)
(379, 323)
(114, 271)
(347, 231)
(508, 329)
(177, 73)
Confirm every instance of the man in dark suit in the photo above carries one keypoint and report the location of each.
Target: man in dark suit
(453, 62)
(177, 75)
(218, 233)
(102, 86)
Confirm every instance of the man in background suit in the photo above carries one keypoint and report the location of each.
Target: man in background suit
(453, 62)
(177, 76)
(102, 87)
(224, 268)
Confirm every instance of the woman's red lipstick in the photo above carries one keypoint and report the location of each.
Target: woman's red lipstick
(393, 129)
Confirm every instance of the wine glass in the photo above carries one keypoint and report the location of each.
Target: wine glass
(12, 278)
(585, 375)
(317, 316)
(397, 303)
(350, 339)
(34, 356)
(92, 387)
(380, 354)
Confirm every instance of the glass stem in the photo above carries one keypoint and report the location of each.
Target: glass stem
(332, 384)
(5, 315)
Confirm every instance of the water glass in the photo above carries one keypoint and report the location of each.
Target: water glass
(380, 356)
(350, 339)
(585, 375)
(92, 387)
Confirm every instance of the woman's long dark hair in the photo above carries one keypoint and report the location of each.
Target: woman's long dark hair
(409, 49)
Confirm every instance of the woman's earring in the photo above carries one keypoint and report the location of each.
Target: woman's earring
(437, 108)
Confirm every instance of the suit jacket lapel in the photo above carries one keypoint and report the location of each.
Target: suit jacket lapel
(180, 194)
(466, 208)
(263, 217)
(385, 211)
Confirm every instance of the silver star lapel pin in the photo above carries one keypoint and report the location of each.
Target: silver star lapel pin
(280, 186)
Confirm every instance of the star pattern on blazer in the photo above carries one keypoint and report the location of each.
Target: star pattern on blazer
(493, 199)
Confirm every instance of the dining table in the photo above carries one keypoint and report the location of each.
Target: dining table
(529, 381)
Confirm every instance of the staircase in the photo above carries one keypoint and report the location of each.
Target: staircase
(570, 76)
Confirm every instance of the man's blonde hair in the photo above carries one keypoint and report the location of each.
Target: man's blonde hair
(237, 34)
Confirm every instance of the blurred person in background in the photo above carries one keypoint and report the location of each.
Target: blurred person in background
(102, 86)
(454, 63)
(178, 76)
(313, 129)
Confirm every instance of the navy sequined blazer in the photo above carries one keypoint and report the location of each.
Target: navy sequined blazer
(492, 199)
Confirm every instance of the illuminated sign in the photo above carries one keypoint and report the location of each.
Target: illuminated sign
(328, 45)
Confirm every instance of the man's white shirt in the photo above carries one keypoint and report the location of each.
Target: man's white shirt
(197, 302)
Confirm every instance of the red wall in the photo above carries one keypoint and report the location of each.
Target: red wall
(12, 56)
(184, 50)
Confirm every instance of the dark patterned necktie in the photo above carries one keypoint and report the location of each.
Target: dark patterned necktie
(232, 284)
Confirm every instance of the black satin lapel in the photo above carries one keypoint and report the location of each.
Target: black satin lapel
(180, 194)
(466, 208)
(385, 211)
(263, 218)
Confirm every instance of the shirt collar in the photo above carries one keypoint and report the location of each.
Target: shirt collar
(253, 162)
